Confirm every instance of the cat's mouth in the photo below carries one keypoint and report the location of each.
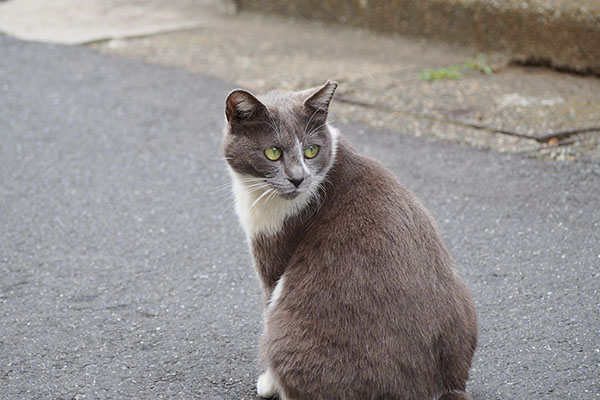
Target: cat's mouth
(291, 192)
(290, 195)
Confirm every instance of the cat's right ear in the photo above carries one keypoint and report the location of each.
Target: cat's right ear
(241, 105)
(321, 97)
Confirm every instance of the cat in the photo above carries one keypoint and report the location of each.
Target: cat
(361, 298)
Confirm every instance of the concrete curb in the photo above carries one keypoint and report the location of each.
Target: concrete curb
(560, 33)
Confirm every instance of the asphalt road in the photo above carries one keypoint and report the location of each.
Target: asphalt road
(124, 273)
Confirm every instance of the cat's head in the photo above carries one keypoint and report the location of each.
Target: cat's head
(280, 141)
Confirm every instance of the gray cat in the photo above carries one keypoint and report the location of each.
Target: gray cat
(361, 297)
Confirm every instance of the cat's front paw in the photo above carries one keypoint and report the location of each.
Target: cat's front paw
(266, 385)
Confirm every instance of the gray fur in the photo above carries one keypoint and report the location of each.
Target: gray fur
(371, 306)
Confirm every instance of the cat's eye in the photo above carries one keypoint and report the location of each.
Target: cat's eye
(311, 151)
(273, 153)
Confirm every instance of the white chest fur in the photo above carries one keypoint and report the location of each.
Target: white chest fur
(263, 212)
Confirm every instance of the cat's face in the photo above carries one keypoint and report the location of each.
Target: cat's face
(280, 143)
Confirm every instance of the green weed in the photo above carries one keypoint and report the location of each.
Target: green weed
(433, 74)
(477, 64)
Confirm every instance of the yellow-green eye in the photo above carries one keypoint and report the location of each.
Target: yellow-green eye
(273, 153)
(311, 151)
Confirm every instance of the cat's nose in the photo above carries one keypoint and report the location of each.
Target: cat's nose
(296, 181)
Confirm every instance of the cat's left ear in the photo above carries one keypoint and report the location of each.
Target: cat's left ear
(320, 99)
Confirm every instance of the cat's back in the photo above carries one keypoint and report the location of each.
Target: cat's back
(367, 209)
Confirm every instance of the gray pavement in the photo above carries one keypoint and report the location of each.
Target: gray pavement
(124, 274)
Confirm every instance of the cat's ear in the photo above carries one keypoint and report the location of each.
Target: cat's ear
(241, 105)
(319, 99)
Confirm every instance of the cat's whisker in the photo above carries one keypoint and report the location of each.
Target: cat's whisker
(230, 205)
(229, 200)
(248, 177)
(320, 126)
(251, 179)
(259, 198)
(258, 190)
(222, 197)
(219, 190)
(255, 185)
(253, 182)
(312, 116)
(272, 125)
(314, 131)
(219, 158)
(218, 194)
(249, 182)
(227, 188)
(227, 193)
(270, 197)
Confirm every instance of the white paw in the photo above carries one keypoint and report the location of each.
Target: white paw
(266, 385)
